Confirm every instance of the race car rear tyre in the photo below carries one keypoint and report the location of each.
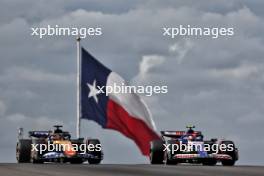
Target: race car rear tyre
(35, 155)
(97, 154)
(76, 161)
(169, 161)
(36, 161)
(231, 153)
(156, 152)
(23, 150)
(170, 152)
(210, 163)
(228, 162)
(94, 161)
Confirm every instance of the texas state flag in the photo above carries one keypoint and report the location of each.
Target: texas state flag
(124, 112)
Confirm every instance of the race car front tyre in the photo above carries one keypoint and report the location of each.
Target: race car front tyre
(96, 153)
(23, 150)
(156, 152)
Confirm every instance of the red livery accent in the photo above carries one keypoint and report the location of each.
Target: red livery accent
(180, 132)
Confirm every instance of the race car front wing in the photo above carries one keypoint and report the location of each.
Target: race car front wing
(58, 155)
(199, 156)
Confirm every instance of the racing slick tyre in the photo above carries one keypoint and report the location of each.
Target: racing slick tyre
(97, 154)
(228, 163)
(168, 155)
(78, 142)
(76, 161)
(35, 155)
(156, 152)
(36, 161)
(212, 162)
(23, 150)
(232, 153)
(169, 161)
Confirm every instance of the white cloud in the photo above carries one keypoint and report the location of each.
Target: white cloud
(243, 71)
(2, 108)
(16, 117)
(149, 62)
(40, 122)
(20, 74)
(179, 49)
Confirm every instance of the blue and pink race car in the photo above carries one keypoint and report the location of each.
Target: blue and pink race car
(190, 147)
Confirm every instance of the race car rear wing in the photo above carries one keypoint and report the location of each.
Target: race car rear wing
(39, 134)
(45, 134)
(175, 134)
(178, 134)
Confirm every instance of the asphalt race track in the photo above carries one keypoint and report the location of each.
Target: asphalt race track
(125, 170)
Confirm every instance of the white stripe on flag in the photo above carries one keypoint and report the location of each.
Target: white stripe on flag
(131, 102)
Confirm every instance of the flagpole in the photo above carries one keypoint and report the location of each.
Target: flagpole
(78, 124)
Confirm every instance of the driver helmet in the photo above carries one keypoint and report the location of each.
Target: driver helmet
(56, 137)
(191, 138)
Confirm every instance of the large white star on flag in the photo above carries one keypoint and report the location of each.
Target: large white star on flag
(93, 91)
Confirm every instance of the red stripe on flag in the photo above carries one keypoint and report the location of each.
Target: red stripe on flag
(134, 128)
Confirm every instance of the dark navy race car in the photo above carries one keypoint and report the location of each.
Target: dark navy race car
(190, 147)
(57, 146)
